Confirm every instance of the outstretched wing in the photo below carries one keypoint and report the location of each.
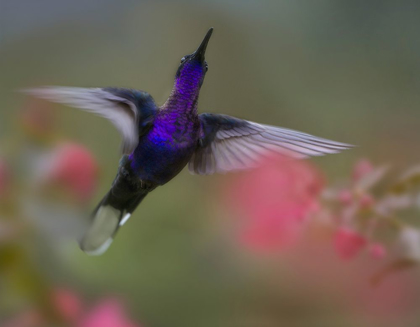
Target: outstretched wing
(228, 143)
(123, 107)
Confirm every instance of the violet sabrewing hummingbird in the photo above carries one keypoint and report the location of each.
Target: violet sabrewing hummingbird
(158, 142)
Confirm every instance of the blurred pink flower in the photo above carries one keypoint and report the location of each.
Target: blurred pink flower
(345, 196)
(377, 250)
(348, 242)
(68, 304)
(273, 200)
(317, 274)
(108, 313)
(270, 232)
(70, 309)
(367, 200)
(361, 169)
(73, 167)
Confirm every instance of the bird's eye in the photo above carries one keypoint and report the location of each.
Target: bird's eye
(183, 59)
(207, 67)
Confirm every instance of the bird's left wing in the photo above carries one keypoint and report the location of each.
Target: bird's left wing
(120, 106)
(228, 143)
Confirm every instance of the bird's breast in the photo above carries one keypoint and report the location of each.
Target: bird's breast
(164, 150)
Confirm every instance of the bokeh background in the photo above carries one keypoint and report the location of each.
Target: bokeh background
(344, 70)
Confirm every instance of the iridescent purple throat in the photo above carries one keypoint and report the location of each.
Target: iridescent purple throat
(168, 146)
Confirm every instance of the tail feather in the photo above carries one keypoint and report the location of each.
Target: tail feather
(106, 220)
(100, 234)
(113, 211)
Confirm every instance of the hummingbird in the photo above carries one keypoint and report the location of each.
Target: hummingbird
(159, 141)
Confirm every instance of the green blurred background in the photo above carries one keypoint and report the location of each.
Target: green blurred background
(345, 70)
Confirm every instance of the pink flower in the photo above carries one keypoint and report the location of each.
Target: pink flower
(68, 307)
(318, 274)
(273, 200)
(68, 304)
(361, 169)
(270, 232)
(74, 168)
(345, 196)
(366, 200)
(348, 243)
(377, 251)
(108, 313)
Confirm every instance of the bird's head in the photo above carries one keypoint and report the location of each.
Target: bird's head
(193, 67)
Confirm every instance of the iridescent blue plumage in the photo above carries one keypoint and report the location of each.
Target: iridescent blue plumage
(158, 142)
(169, 144)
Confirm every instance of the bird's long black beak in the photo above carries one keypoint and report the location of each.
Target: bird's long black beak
(201, 50)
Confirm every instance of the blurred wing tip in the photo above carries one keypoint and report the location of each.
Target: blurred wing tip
(346, 146)
(339, 146)
(29, 90)
(38, 91)
(36, 88)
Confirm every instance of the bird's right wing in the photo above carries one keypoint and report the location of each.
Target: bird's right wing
(120, 106)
